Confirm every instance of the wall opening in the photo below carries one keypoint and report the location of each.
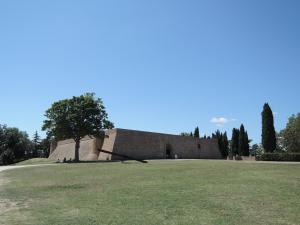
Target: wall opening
(168, 151)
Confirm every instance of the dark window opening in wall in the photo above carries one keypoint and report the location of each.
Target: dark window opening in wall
(168, 151)
(199, 146)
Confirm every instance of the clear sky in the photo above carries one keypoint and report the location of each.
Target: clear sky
(159, 65)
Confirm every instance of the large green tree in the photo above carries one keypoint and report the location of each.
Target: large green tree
(291, 134)
(13, 145)
(268, 130)
(75, 118)
(18, 142)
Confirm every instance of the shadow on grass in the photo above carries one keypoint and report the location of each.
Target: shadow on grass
(102, 161)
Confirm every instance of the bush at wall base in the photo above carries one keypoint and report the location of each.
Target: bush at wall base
(289, 157)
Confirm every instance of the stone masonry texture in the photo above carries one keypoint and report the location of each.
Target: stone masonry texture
(139, 145)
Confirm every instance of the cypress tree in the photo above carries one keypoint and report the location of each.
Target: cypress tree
(36, 144)
(268, 130)
(219, 137)
(225, 144)
(246, 143)
(235, 141)
(242, 146)
(196, 133)
(222, 142)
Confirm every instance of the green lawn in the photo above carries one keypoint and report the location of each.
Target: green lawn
(35, 161)
(160, 192)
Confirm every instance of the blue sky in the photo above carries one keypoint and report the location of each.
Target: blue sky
(160, 65)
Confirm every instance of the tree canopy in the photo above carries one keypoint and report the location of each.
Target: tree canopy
(235, 142)
(291, 134)
(268, 130)
(14, 144)
(36, 144)
(243, 142)
(223, 142)
(75, 118)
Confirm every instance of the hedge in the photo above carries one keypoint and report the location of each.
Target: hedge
(292, 157)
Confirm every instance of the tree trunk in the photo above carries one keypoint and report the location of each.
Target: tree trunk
(77, 147)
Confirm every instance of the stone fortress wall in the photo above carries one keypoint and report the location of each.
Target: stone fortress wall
(139, 145)
(66, 149)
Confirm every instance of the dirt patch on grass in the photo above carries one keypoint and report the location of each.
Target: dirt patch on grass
(10, 212)
(3, 181)
(6, 205)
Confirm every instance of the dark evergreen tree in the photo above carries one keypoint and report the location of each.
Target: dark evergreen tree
(254, 149)
(185, 134)
(216, 134)
(268, 130)
(246, 151)
(225, 145)
(222, 141)
(45, 147)
(242, 145)
(191, 134)
(196, 133)
(235, 141)
(36, 144)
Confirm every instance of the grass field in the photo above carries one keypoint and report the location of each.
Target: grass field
(160, 192)
(35, 161)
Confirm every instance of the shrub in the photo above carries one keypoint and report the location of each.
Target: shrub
(238, 157)
(7, 157)
(292, 157)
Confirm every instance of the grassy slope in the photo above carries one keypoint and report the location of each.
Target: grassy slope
(162, 192)
(35, 161)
